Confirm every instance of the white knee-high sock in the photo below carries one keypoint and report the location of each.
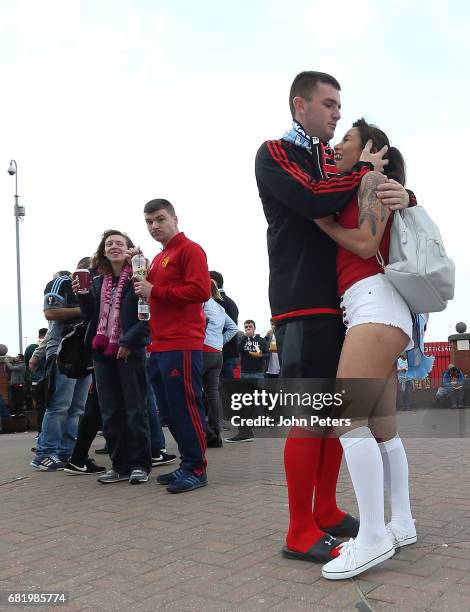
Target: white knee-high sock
(396, 480)
(366, 470)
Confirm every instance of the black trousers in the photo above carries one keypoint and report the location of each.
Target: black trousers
(212, 364)
(17, 399)
(122, 394)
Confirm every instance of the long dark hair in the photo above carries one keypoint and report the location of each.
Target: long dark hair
(396, 164)
(99, 261)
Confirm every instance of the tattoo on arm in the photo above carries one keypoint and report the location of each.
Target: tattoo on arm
(370, 207)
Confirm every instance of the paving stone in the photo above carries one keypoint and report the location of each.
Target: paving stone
(303, 592)
(103, 599)
(190, 603)
(249, 589)
(344, 597)
(218, 548)
(407, 598)
(383, 576)
(441, 580)
(453, 600)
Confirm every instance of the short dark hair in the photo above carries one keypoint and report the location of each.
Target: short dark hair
(99, 261)
(217, 276)
(250, 321)
(395, 169)
(159, 204)
(64, 273)
(304, 84)
(42, 332)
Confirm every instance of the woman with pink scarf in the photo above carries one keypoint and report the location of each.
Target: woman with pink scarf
(118, 339)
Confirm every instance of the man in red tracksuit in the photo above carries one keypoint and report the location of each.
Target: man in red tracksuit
(177, 284)
(298, 182)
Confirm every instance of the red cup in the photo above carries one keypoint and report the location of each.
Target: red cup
(84, 280)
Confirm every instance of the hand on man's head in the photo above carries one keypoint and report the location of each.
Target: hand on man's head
(376, 159)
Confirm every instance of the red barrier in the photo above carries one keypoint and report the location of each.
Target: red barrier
(441, 352)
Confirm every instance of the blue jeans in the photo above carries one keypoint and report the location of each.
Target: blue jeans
(228, 365)
(252, 375)
(245, 430)
(455, 395)
(60, 423)
(405, 390)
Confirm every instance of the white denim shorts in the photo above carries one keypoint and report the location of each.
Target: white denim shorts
(375, 300)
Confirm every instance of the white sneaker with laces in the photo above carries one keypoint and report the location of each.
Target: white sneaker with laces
(354, 559)
(402, 537)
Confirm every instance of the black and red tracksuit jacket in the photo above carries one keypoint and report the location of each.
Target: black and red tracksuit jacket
(295, 187)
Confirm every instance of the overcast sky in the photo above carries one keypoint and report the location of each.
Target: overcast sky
(107, 104)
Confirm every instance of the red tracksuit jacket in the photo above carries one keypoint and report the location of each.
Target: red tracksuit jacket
(181, 284)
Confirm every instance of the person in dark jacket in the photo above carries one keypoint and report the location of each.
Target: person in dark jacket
(230, 350)
(452, 386)
(254, 353)
(17, 372)
(118, 338)
(33, 377)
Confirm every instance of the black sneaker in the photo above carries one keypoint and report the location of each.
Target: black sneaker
(163, 459)
(90, 467)
(102, 451)
(214, 443)
(240, 438)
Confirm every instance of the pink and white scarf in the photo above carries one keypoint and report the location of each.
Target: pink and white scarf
(109, 326)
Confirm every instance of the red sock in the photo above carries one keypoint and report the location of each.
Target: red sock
(326, 512)
(301, 460)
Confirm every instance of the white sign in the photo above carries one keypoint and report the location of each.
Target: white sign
(463, 345)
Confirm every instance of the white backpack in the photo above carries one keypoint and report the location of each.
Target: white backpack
(418, 265)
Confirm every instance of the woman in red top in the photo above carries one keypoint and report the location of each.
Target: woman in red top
(379, 328)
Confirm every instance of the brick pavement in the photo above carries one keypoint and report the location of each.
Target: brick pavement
(119, 547)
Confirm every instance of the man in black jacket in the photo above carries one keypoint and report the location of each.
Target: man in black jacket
(254, 352)
(230, 350)
(298, 182)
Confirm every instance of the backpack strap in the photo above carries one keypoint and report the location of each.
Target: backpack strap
(380, 259)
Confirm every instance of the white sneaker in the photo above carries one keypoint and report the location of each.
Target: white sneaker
(402, 537)
(354, 559)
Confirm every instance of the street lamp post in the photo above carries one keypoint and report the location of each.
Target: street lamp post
(19, 212)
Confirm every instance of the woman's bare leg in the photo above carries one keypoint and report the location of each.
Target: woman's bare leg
(369, 352)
